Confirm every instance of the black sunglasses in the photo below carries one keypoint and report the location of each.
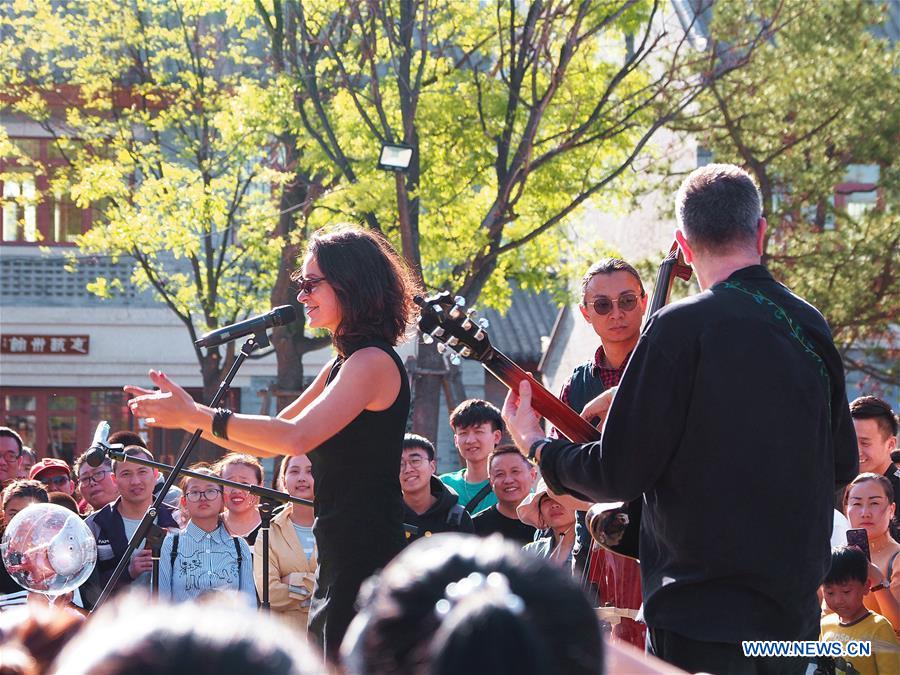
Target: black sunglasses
(307, 284)
(626, 302)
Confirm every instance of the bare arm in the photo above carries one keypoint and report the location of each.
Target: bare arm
(309, 394)
(368, 380)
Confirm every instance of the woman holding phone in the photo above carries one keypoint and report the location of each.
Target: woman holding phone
(350, 421)
(869, 505)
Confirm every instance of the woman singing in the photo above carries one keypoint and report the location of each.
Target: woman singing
(350, 421)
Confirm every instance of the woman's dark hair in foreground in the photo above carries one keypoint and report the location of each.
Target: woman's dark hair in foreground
(133, 636)
(457, 603)
(373, 284)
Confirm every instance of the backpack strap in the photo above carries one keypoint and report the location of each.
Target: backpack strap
(454, 516)
(240, 559)
(172, 562)
(476, 500)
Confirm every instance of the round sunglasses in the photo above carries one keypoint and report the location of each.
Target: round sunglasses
(627, 302)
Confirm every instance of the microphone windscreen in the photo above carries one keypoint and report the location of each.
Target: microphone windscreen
(283, 315)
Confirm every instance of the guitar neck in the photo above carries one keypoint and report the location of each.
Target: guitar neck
(567, 421)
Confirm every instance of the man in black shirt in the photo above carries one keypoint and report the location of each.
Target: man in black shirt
(512, 477)
(429, 506)
(731, 423)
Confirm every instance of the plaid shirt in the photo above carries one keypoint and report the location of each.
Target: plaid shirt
(609, 376)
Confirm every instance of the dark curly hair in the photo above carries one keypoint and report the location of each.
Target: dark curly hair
(373, 284)
(532, 619)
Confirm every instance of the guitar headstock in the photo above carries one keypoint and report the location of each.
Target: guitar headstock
(458, 331)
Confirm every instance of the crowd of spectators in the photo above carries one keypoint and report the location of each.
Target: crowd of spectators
(511, 595)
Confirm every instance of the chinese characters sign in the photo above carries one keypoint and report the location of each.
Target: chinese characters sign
(61, 345)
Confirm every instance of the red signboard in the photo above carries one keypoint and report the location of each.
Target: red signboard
(59, 345)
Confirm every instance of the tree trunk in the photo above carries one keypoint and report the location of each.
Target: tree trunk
(428, 380)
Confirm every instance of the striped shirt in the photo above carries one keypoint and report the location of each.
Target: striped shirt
(204, 562)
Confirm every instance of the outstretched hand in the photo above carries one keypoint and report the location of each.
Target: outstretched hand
(521, 419)
(169, 407)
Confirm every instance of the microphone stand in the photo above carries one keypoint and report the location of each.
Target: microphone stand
(258, 340)
(265, 518)
(155, 537)
(265, 511)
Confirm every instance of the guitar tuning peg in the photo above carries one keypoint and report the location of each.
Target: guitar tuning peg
(479, 335)
(441, 347)
(437, 332)
(466, 352)
(470, 312)
(466, 324)
(484, 323)
(452, 341)
(455, 359)
(427, 339)
(459, 301)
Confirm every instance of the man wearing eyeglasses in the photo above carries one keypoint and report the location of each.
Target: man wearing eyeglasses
(429, 506)
(55, 474)
(613, 302)
(10, 454)
(115, 523)
(95, 483)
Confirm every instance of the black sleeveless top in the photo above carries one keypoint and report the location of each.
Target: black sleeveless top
(358, 502)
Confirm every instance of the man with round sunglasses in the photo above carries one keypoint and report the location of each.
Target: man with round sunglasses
(613, 302)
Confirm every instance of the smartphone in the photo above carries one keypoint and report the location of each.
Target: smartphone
(860, 538)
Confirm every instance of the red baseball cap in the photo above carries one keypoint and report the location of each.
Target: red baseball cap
(49, 463)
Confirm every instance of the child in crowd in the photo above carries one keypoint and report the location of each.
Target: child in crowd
(845, 586)
(203, 557)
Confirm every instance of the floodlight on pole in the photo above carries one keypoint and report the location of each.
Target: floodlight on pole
(395, 157)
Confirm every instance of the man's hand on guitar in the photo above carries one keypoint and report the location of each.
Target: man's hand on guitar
(521, 419)
(599, 407)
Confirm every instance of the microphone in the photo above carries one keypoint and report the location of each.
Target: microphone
(279, 316)
(96, 454)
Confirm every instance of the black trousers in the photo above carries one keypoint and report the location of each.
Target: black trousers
(333, 606)
(718, 658)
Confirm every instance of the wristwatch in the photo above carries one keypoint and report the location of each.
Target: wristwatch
(884, 585)
(537, 445)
